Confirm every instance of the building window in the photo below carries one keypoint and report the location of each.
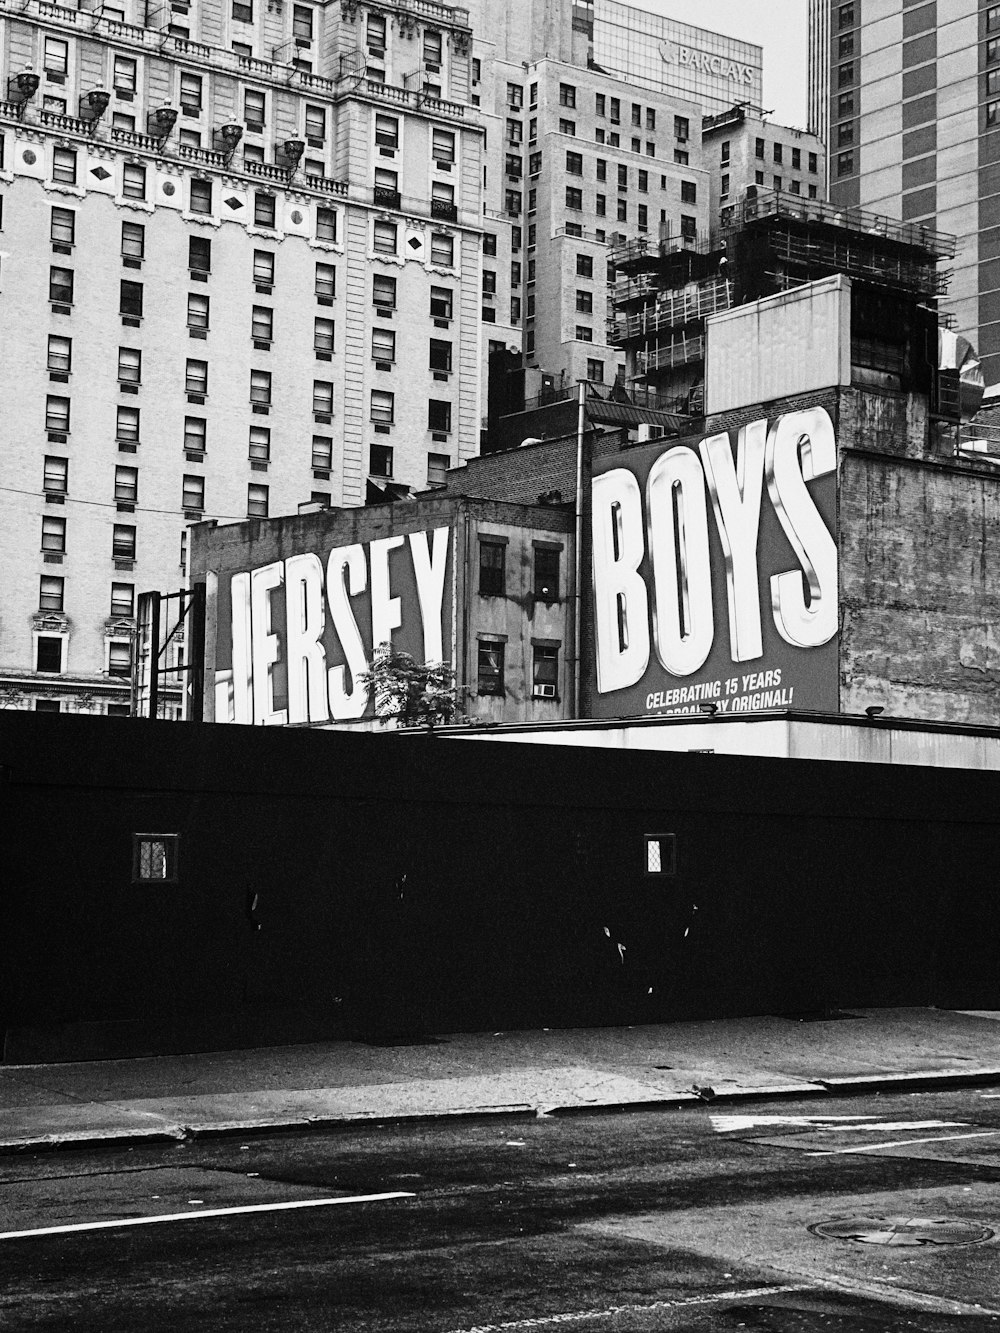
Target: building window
(57, 414)
(574, 164)
(62, 226)
(432, 46)
(264, 210)
(122, 599)
(323, 397)
(546, 573)
(380, 460)
(384, 345)
(262, 324)
(201, 196)
(568, 127)
(195, 435)
(260, 387)
(190, 97)
(845, 106)
(302, 24)
(545, 671)
(55, 475)
(490, 668)
(60, 354)
(442, 250)
(437, 469)
(322, 452)
(53, 534)
(567, 95)
(386, 131)
(263, 268)
(492, 568)
(441, 303)
(199, 254)
(126, 484)
(50, 592)
(375, 35)
(796, 159)
(195, 377)
(133, 241)
(383, 291)
(61, 285)
(585, 266)
(123, 541)
(600, 205)
(682, 128)
(127, 427)
(384, 238)
(155, 858)
(257, 500)
(515, 96)
(440, 353)
(55, 59)
(622, 210)
(197, 311)
(254, 109)
(193, 493)
(845, 133)
(595, 371)
(813, 163)
(585, 302)
(443, 147)
(845, 74)
(120, 657)
(438, 415)
(776, 183)
(845, 164)
(845, 16)
(124, 77)
(574, 198)
(48, 653)
(64, 166)
(689, 227)
(260, 444)
(323, 331)
(383, 407)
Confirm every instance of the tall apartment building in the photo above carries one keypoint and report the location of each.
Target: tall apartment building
(914, 117)
(601, 105)
(241, 271)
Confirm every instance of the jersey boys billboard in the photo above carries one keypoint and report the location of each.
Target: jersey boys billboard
(295, 635)
(715, 572)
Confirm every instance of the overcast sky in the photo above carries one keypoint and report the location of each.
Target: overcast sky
(779, 26)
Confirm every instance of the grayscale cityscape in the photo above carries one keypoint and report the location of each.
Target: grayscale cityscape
(500, 666)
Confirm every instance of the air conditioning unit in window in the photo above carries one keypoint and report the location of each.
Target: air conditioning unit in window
(544, 692)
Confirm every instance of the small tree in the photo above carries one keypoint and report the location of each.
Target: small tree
(414, 694)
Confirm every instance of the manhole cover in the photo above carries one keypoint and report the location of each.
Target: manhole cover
(875, 1229)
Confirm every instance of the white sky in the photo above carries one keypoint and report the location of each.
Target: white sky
(779, 26)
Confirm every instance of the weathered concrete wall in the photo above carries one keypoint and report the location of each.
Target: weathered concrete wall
(919, 591)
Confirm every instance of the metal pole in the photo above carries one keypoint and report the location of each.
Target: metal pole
(581, 420)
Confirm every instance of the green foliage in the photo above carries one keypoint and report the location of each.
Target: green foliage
(411, 693)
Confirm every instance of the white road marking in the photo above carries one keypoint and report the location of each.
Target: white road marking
(725, 1124)
(895, 1126)
(206, 1212)
(579, 1316)
(901, 1143)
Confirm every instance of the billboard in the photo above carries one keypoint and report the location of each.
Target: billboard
(715, 572)
(294, 635)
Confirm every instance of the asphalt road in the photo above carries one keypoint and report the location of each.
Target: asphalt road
(684, 1219)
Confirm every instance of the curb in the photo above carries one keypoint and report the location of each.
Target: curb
(821, 1087)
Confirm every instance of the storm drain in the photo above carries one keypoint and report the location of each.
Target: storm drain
(875, 1229)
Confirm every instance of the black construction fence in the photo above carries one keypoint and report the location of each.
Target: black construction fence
(175, 887)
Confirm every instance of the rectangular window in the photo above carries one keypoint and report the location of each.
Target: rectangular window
(190, 97)
(326, 224)
(302, 24)
(55, 475)
(682, 128)
(124, 77)
(263, 268)
(546, 574)
(323, 397)
(50, 592)
(622, 210)
(380, 460)
(262, 324)
(386, 131)
(443, 147)
(375, 34)
(326, 282)
(845, 16)
(567, 95)
(383, 291)
(61, 285)
(383, 407)
(195, 435)
(199, 254)
(545, 671)
(574, 198)
(263, 210)
(192, 493)
(197, 310)
(432, 46)
(796, 159)
(437, 469)
(49, 654)
(133, 242)
(315, 122)
(126, 484)
(56, 58)
(442, 250)
(492, 568)
(201, 196)
(439, 415)
(130, 365)
(441, 303)
(845, 164)
(490, 667)
(595, 371)
(64, 166)
(384, 238)
(845, 74)
(322, 452)
(53, 534)
(123, 541)
(122, 599)
(585, 302)
(196, 377)
(813, 162)
(127, 427)
(154, 858)
(62, 227)
(260, 387)
(60, 354)
(384, 345)
(689, 192)
(254, 109)
(120, 657)
(323, 331)
(260, 444)
(600, 205)
(568, 127)
(585, 266)
(440, 354)
(574, 164)
(57, 414)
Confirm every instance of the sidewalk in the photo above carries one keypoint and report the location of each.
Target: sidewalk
(551, 1072)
